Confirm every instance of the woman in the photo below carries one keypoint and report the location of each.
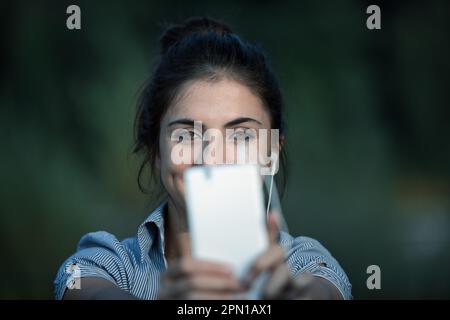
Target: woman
(206, 73)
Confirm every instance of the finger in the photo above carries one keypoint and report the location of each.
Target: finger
(272, 225)
(187, 266)
(268, 260)
(278, 282)
(272, 257)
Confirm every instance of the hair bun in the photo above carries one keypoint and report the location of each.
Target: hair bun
(176, 33)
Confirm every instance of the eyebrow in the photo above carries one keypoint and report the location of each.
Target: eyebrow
(241, 120)
(186, 121)
(190, 122)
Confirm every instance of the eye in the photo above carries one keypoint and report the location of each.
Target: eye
(187, 136)
(242, 134)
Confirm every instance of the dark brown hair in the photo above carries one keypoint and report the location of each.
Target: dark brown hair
(201, 48)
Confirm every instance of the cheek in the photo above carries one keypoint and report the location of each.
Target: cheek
(171, 173)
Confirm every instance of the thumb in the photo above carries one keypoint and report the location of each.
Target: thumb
(272, 226)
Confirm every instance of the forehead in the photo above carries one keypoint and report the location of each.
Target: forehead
(217, 102)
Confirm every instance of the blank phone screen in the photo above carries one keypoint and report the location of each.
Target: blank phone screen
(226, 214)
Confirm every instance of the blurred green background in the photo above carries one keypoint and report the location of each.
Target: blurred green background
(368, 131)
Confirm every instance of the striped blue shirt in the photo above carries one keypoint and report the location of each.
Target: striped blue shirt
(135, 264)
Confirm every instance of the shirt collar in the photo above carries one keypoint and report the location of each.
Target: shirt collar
(146, 236)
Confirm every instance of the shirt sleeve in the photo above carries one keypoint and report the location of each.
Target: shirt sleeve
(100, 254)
(304, 254)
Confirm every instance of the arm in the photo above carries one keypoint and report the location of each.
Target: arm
(317, 289)
(102, 265)
(97, 289)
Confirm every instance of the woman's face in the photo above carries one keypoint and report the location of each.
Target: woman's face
(219, 105)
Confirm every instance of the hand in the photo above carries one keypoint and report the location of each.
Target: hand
(281, 284)
(198, 279)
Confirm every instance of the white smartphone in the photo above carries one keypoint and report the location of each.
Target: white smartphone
(226, 214)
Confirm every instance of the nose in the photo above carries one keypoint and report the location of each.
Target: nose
(213, 149)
